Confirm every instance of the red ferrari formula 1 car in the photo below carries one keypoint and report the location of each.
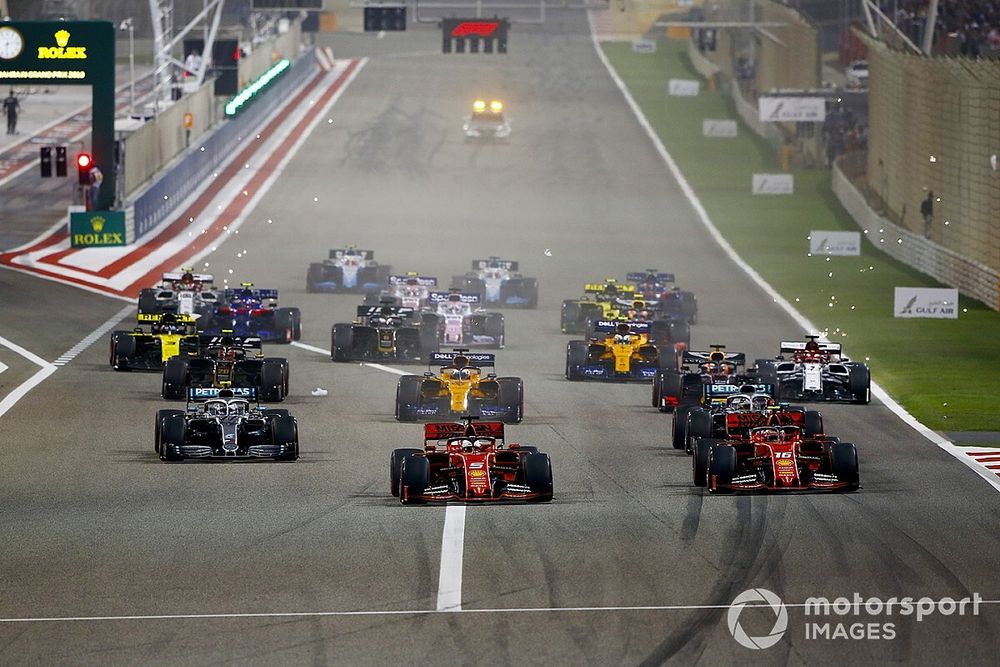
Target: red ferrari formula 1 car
(776, 458)
(469, 462)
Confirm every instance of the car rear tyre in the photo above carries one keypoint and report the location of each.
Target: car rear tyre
(538, 475)
(407, 397)
(844, 463)
(172, 437)
(699, 462)
(510, 396)
(396, 466)
(175, 378)
(414, 477)
(721, 466)
(860, 385)
(576, 355)
(341, 339)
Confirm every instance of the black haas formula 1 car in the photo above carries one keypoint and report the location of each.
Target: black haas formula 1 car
(816, 372)
(499, 284)
(683, 385)
(225, 424)
(459, 389)
(169, 335)
(463, 322)
(776, 458)
(386, 332)
(469, 462)
(225, 362)
(621, 352)
(658, 290)
(347, 270)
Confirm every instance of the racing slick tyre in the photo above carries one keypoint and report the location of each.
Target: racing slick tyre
(678, 431)
(844, 463)
(510, 397)
(767, 374)
(147, 301)
(538, 475)
(171, 437)
(669, 383)
(407, 396)
(660, 332)
(342, 338)
(680, 332)
(699, 462)
(860, 385)
(428, 335)
(296, 323)
(313, 276)
(699, 425)
(576, 355)
(276, 412)
(528, 449)
(494, 328)
(656, 388)
(667, 358)
(285, 431)
(531, 294)
(414, 477)
(175, 379)
(161, 415)
(721, 467)
(122, 347)
(284, 325)
(272, 381)
(569, 317)
(396, 466)
(812, 424)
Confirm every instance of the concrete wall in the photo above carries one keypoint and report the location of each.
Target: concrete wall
(971, 278)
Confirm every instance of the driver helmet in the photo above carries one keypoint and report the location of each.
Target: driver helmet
(739, 402)
(481, 444)
(761, 401)
(812, 346)
(622, 329)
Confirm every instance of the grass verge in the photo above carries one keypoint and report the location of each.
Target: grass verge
(942, 371)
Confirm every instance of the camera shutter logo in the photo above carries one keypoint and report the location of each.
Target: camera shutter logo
(756, 596)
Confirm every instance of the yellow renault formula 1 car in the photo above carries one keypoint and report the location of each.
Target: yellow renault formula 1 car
(169, 335)
(600, 302)
(460, 389)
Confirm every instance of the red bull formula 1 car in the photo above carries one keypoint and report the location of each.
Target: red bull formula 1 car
(469, 462)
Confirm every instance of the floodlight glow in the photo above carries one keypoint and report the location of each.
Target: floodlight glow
(234, 105)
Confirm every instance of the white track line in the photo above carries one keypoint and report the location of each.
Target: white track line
(46, 369)
(411, 612)
(449, 597)
(800, 319)
(93, 336)
(3, 367)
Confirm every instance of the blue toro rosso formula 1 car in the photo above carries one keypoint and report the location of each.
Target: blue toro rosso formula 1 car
(254, 313)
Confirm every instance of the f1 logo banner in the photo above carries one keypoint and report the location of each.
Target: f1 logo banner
(773, 184)
(931, 302)
(456, 33)
(829, 242)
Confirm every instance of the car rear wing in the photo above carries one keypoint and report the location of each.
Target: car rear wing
(643, 276)
(152, 318)
(609, 326)
(724, 390)
(375, 311)
(493, 263)
(598, 288)
(475, 358)
(337, 253)
(447, 430)
(262, 294)
(199, 394)
(800, 346)
(425, 281)
(742, 422)
(176, 276)
(245, 342)
(706, 356)
(444, 297)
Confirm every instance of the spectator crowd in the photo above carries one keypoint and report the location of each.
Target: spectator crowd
(964, 27)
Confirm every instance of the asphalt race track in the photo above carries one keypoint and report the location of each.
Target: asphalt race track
(94, 525)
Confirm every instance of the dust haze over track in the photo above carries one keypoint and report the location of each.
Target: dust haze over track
(95, 525)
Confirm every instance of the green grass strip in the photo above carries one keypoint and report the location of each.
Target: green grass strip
(943, 371)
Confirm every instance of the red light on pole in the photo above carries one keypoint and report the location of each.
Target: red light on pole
(84, 163)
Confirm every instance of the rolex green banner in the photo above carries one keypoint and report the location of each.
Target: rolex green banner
(97, 229)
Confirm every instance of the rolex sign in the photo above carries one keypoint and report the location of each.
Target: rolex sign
(97, 229)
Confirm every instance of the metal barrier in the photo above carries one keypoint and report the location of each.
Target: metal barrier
(195, 168)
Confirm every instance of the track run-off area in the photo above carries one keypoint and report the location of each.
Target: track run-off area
(112, 557)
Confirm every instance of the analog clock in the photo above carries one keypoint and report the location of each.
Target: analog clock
(11, 43)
